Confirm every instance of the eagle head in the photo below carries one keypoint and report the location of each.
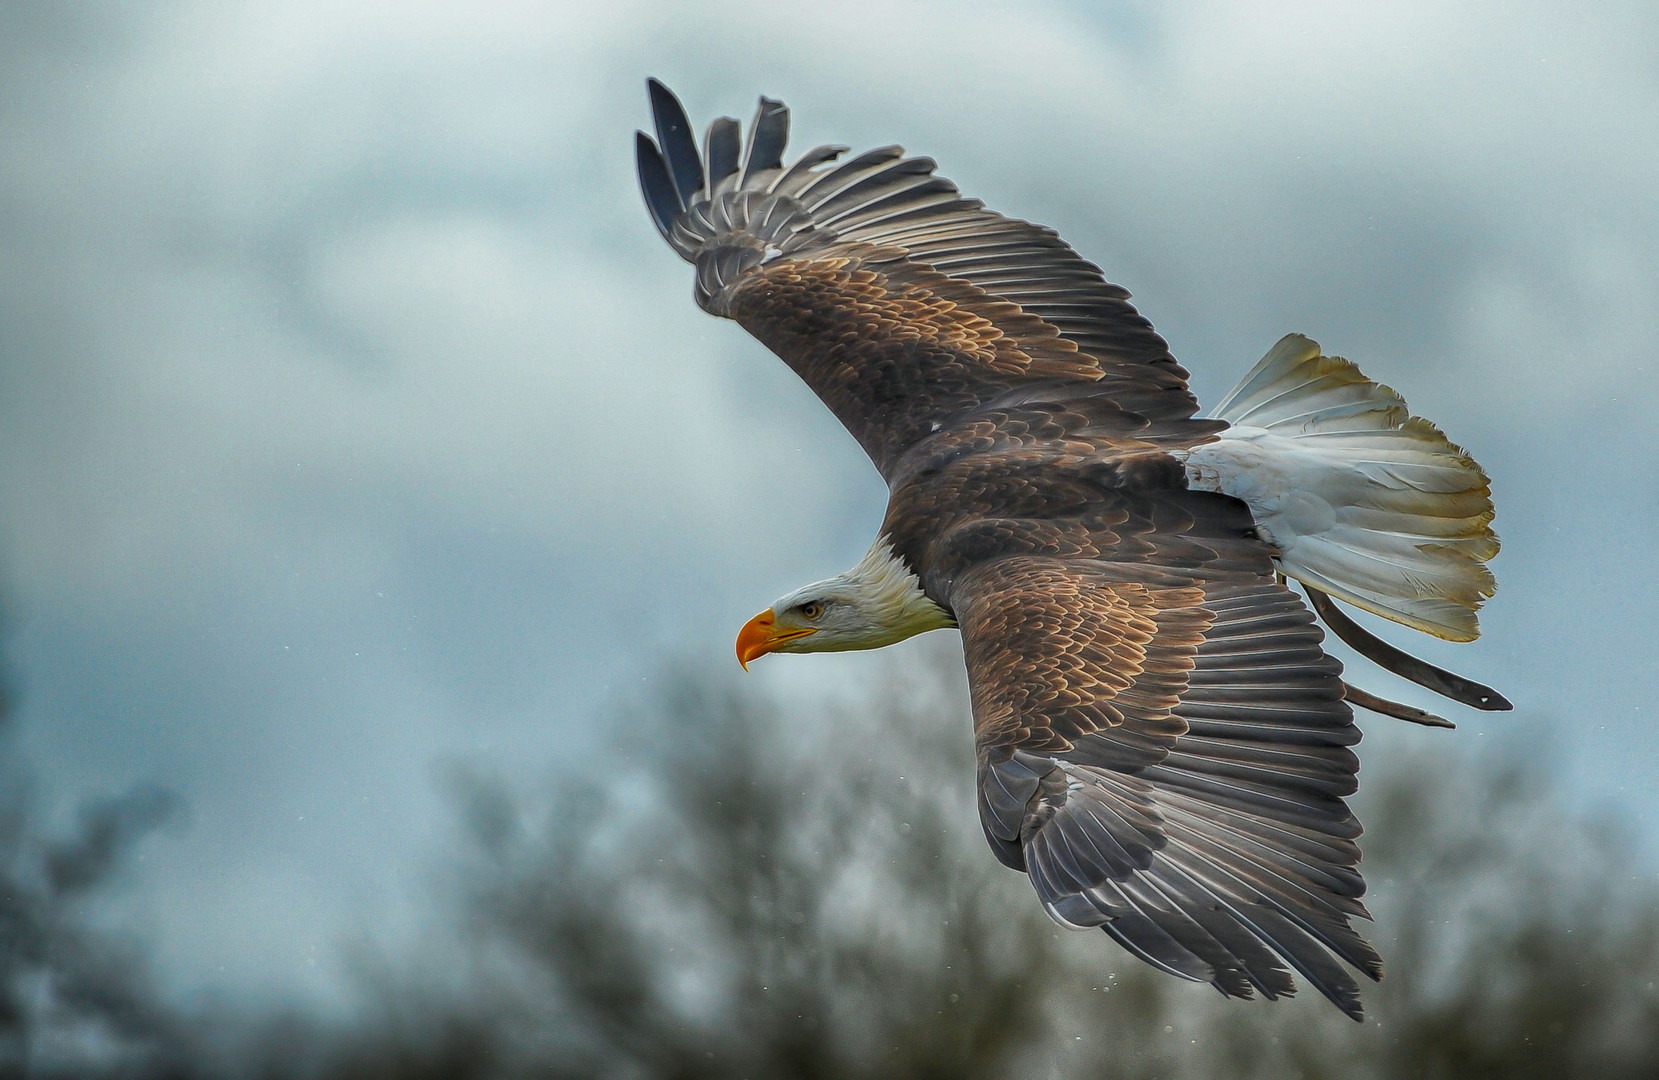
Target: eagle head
(878, 602)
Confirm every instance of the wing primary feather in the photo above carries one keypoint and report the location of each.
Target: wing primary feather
(1303, 952)
(1254, 869)
(720, 147)
(1151, 943)
(1254, 883)
(674, 136)
(1314, 859)
(767, 138)
(1181, 923)
(658, 187)
(1304, 945)
(1215, 915)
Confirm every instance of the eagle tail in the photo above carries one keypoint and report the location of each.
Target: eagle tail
(1365, 501)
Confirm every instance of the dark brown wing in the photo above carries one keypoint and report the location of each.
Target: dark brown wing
(901, 303)
(1169, 763)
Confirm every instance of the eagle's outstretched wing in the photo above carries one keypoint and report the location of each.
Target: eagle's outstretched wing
(1169, 763)
(901, 303)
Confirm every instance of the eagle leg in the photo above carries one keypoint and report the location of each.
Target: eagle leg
(1393, 708)
(1443, 682)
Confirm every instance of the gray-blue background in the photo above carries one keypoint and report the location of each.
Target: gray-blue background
(353, 418)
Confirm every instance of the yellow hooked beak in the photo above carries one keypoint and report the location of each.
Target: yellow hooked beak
(760, 635)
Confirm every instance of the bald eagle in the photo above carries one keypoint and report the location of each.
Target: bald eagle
(1163, 746)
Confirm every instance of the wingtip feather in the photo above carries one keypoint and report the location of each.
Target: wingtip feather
(674, 136)
(768, 136)
(720, 150)
(661, 198)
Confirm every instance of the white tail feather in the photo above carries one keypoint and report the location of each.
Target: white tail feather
(1364, 501)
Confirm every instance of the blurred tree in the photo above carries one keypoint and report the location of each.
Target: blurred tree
(74, 999)
(755, 892)
(752, 889)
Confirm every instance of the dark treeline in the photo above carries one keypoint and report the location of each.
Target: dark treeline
(753, 892)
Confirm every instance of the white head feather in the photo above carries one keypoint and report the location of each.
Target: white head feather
(876, 603)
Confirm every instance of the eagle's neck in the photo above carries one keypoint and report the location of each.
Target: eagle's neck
(892, 597)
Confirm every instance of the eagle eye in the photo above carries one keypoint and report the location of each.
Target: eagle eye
(812, 609)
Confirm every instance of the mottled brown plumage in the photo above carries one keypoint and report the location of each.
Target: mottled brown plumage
(1163, 745)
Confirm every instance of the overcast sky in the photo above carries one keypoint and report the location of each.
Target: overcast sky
(354, 419)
